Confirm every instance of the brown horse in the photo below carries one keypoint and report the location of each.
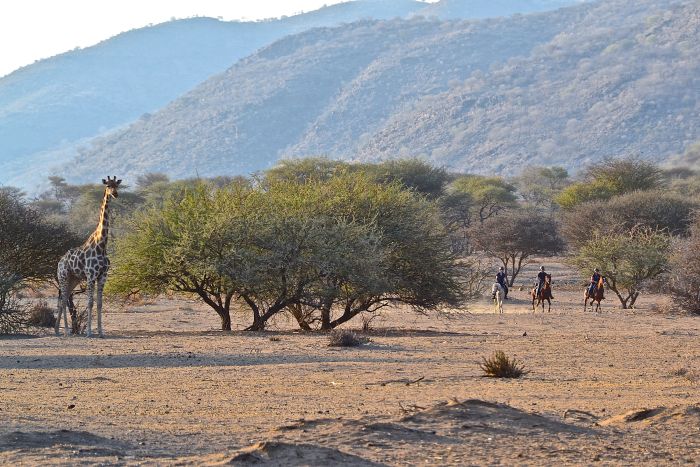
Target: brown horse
(598, 295)
(545, 294)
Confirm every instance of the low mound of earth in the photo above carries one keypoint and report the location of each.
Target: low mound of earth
(280, 453)
(478, 431)
(656, 417)
(59, 446)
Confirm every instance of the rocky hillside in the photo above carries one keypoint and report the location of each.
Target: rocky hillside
(47, 108)
(622, 81)
(563, 87)
(79, 94)
(320, 92)
(460, 9)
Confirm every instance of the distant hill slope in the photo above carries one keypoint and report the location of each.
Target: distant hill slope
(84, 92)
(50, 106)
(563, 87)
(460, 9)
(624, 80)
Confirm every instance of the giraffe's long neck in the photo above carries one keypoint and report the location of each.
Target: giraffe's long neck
(101, 233)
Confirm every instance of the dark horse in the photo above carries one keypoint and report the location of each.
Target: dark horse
(545, 294)
(598, 295)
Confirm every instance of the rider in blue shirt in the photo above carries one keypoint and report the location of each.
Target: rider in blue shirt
(541, 276)
(594, 282)
(501, 279)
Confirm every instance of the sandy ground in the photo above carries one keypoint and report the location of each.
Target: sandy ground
(164, 387)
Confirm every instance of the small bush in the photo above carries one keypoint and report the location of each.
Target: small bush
(13, 313)
(345, 338)
(500, 366)
(42, 315)
(680, 371)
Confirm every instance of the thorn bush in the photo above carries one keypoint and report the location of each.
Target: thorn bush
(500, 366)
(42, 315)
(345, 338)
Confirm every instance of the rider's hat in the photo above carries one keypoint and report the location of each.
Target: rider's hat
(596, 270)
(501, 268)
(541, 268)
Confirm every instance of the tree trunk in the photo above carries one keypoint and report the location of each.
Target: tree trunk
(633, 298)
(344, 318)
(326, 319)
(299, 316)
(258, 325)
(349, 314)
(516, 269)
(225, 319)
(623, 300)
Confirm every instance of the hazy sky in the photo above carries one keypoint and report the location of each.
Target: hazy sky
(35, 29)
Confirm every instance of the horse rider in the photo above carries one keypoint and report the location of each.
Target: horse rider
(541, 276)
(501, 279)
(595, 278)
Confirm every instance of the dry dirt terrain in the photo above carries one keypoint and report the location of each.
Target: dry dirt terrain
(165, 387)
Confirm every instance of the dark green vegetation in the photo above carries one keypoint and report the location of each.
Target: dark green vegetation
(563, 88)
(325, 241)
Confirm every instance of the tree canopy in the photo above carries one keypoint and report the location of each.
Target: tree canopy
(514, 237)
(340, 246)
(611, 177)
(627, 260)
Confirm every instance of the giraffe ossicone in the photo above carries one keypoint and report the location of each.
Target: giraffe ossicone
(88, 263)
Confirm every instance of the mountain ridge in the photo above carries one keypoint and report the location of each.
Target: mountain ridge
(372, 91)
(49, 107)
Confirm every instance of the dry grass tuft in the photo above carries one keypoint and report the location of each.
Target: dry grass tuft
(500, 366)
(686, 373)
(42, 315)
(345, 338)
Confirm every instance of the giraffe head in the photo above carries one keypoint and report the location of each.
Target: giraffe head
(111, 186)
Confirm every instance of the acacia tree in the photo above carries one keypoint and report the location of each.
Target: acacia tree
(339, 247)
(174, 248)
(357, 246)
(283, 256)
(538, 186)
(652, 209)
(513, 238)
(488, 196)
(627, 260)
(611, 177)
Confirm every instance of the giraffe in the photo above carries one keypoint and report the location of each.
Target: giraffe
(87, 262)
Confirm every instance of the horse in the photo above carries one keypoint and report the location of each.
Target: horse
(598, 295)
(545, 294)
(498, 294)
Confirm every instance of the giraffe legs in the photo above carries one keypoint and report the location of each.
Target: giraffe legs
(90, 300)
(100, 287)
(63, 300)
